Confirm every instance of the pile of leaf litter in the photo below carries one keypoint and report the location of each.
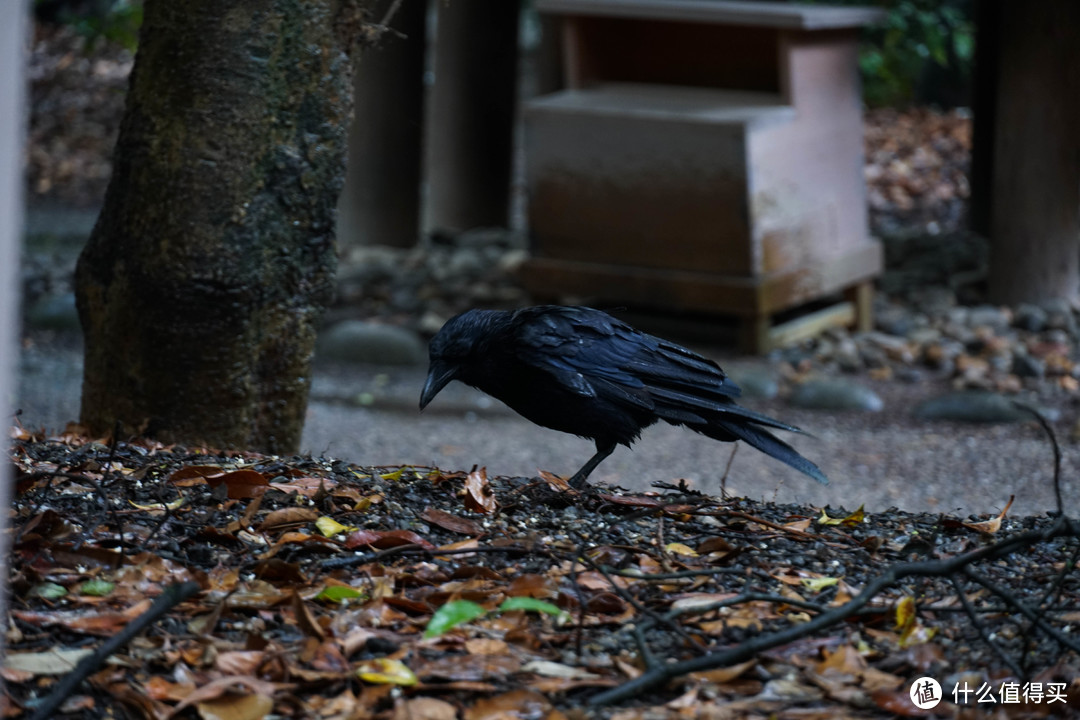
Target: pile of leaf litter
(246, 586)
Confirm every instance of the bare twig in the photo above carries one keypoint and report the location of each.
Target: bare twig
(383, 26)
(172, 596)
(1057, 451)
(414, 549)
(1035, 617)
(980, 628)
(633, 601)
(937, 568)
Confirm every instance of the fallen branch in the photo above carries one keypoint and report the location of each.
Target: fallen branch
(172, 596)
(659, 674)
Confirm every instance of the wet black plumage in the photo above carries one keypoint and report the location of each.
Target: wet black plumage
(582, 371)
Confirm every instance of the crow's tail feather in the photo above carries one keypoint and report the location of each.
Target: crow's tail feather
(723, 428)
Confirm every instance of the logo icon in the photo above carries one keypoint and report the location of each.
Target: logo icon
(925, 693)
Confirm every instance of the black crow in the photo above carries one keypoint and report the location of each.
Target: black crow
(584, 372)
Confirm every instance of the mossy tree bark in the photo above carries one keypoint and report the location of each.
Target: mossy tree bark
(214, 255)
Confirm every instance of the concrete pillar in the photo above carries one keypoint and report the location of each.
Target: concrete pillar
(380, 203)
(13, 40)
(471, 114)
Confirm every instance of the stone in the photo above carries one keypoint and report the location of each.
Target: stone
(847, 355)
(924, 336)
(1056, 336)
(1059, 316)
(54, 312)
(973, 406)
(989, 316)
(431, 322)
(366, 342)
(942, 355)
(1024, 365)
(1030, 317)
(830, 394)
(909, 375)
(755, 382)
(958, 315)
(934, 300)
(894, 347)
(485, 236)
(465, 261)
(894, 320)
(511, 260)
(873, 356)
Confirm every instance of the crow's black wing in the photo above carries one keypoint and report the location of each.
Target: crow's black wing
(598, 356)
(595, 354)
(585, 350)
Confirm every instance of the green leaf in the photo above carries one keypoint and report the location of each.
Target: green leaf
(48, 591)
(452, 614)
(528, 603)
(97, 587)
(338, 593)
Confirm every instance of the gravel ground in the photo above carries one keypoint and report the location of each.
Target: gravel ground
(368, 415)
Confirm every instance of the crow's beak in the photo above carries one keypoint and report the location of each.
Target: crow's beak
(438, 376)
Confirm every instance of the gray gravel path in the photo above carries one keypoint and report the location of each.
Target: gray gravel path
(873, 459)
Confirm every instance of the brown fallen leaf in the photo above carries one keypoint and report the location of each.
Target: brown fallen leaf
(472, 668)
(239, 662)
(899, 702)
(479, 497)
(516, 704)
(991, 526)
(218, 688)
(305, 620)
(287, 517)
(383, 539)
(450, 522)
(424, 708)
(555, 482)
(236, 707)
(724, 674)
(105, 623)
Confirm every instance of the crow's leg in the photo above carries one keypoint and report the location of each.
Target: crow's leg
(602, 451)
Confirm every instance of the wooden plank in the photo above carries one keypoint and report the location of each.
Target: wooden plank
(810, 325)
(701, 291)
(645, 287)
(821, 278)
(728, 12)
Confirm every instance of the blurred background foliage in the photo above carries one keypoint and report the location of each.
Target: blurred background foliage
(114, 21)
(922, 54)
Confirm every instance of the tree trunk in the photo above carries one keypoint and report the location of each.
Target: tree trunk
(202, 282)
(1035, 207)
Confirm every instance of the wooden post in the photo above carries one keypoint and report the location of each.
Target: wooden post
(1035, 202)
(470, 122)
(380, 203)
(861, 296)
